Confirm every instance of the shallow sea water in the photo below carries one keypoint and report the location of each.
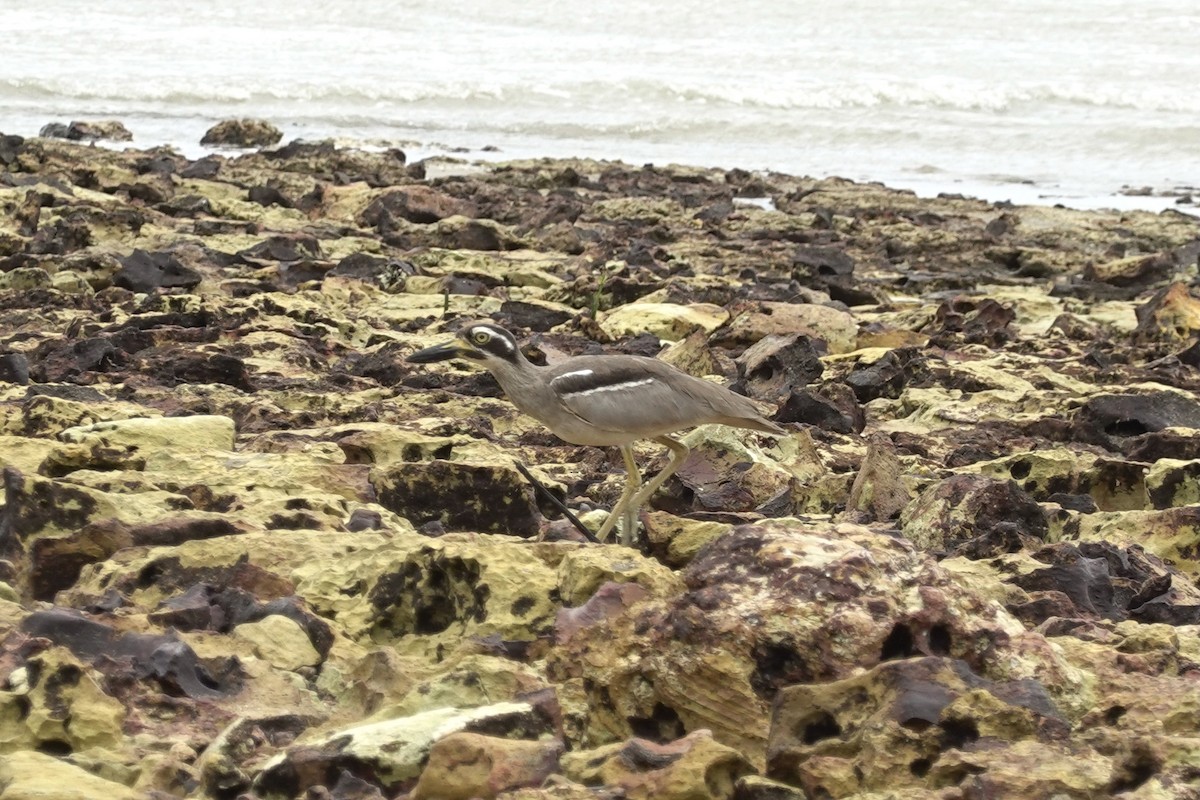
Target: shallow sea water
(1028, 100)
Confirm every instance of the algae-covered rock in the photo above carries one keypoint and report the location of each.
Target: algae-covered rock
(667, 321)
(459, 495)
(393, 751)
(693, 766)
(29, 775)
(279, 641)
(434, 595)
(242, 133)
(463, 766)
(752, 322)
(970, 509)
(582, 571)
(160, 433)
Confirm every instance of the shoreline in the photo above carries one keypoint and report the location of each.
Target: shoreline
(926, 182)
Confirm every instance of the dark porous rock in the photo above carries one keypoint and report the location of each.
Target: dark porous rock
(533, 316)
(27, 215)
(832, 407)
(99, 129)
(202, 169)
(363, 266)
(151, 190)
(10, 146)
(188, 205)
(1107, 419)
(1173, 484)
(716, 477)
(56, 561)
(145, 272)
(163, 658)
(1100, 580)
(14, 368)
(981, 514)
(80, 130)
(1133, 271)
(249, 736)
(242, 133)
(205, 606)
(57, 361)
(960, 322)
(476, 497)
(384, 364)
(775, 366)
(886, 376)
(54, 130)
(270, 196)
(282, 247)
(64, 235)
(817, 263)
(417, 203)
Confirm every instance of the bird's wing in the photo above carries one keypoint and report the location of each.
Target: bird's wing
(635, 395)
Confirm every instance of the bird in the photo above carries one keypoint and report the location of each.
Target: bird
(604, 401)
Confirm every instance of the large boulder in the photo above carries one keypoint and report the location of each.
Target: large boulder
(242, 133)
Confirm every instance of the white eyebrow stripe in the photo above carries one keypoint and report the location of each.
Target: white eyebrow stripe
(612, 387)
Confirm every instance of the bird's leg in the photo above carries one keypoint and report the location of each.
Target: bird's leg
(629, 512)
(633, 480)
(679, 452)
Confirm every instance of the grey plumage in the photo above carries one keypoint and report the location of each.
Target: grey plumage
(606, 400)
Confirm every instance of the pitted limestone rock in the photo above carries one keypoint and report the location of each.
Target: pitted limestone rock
(782, 602)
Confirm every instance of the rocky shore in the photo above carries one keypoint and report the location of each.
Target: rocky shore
(247, 551)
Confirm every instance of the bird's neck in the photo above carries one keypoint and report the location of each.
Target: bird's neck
(521, 383)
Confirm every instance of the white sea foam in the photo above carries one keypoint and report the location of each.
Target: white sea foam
(1074, 100)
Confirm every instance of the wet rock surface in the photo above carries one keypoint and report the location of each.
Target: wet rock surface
(246, 550)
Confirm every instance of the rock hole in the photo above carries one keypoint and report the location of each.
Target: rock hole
(777, 664)
(824, 726)
(920, 767)
(358, 455)
(663, 725)
(149, 574)
(1020, 469)
(939, 640)
(916, 724)
(1140, 767)
(54, 747)
(205, 679)
(898, 644)
(958, 732)
(1126, 427)
(1113, 714)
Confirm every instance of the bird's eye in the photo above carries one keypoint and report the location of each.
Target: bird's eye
(480, 337)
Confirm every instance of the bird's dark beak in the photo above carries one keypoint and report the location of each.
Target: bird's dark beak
(439, 352)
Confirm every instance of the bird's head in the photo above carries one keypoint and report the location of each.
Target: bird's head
(481, 341)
